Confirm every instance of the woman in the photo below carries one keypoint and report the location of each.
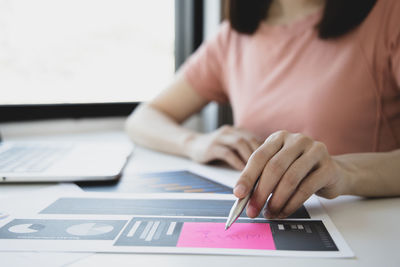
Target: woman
(319, 81)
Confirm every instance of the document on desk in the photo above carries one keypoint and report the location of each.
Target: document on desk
(12, 194)
(177, 181)
(163, 223)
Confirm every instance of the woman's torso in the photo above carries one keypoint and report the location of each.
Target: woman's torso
(340, 91)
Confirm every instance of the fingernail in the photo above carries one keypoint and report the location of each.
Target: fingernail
(268, 215)
(239, 190)
(281, 216)
(251, 211)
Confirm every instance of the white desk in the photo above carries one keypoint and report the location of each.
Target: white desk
(370, 226)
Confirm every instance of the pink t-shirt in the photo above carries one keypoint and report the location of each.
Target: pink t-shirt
(344, 92)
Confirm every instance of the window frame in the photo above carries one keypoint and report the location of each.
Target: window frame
(188, 36)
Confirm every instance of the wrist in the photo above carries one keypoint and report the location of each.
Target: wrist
(188, 144)
(371, 174)
(347, 175)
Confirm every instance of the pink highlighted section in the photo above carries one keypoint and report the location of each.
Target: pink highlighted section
(213, 235)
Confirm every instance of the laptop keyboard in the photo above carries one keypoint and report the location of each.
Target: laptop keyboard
(31, 158)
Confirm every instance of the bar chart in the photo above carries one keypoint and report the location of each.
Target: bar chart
(161, 182)
(210, 233)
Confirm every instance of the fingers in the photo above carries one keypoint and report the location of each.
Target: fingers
(272, 175)
(239, 144)
(252, 140)
(256, 164)
(289, 182)
(230, 157)
(314, 182)
(254, 143)
(286, 164)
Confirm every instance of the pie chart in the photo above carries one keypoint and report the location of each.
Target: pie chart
(26, 228)
(89, 229)
(3, 215)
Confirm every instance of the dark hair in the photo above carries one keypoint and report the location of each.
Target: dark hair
(339, 16)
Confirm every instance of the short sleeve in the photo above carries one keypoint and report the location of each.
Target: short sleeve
(395, 59)
(204, 69)
(393, 32)
(380, 38)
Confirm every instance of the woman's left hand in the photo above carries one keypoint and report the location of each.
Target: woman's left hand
(291, 167)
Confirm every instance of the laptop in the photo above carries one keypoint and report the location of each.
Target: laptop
(39, 161)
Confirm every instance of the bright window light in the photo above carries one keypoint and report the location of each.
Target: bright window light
(85, 51)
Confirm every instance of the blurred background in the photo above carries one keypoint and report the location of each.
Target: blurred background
(85, 51)
(75, 59)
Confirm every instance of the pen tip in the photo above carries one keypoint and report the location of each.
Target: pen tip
(226, 227)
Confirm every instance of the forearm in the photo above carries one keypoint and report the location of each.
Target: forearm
(151, 128)
(371, 174)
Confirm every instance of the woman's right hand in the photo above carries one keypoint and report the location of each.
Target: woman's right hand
(229, 144)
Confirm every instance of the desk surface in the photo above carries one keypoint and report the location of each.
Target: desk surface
(369, 226)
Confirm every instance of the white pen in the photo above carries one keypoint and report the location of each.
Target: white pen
(238, 207)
